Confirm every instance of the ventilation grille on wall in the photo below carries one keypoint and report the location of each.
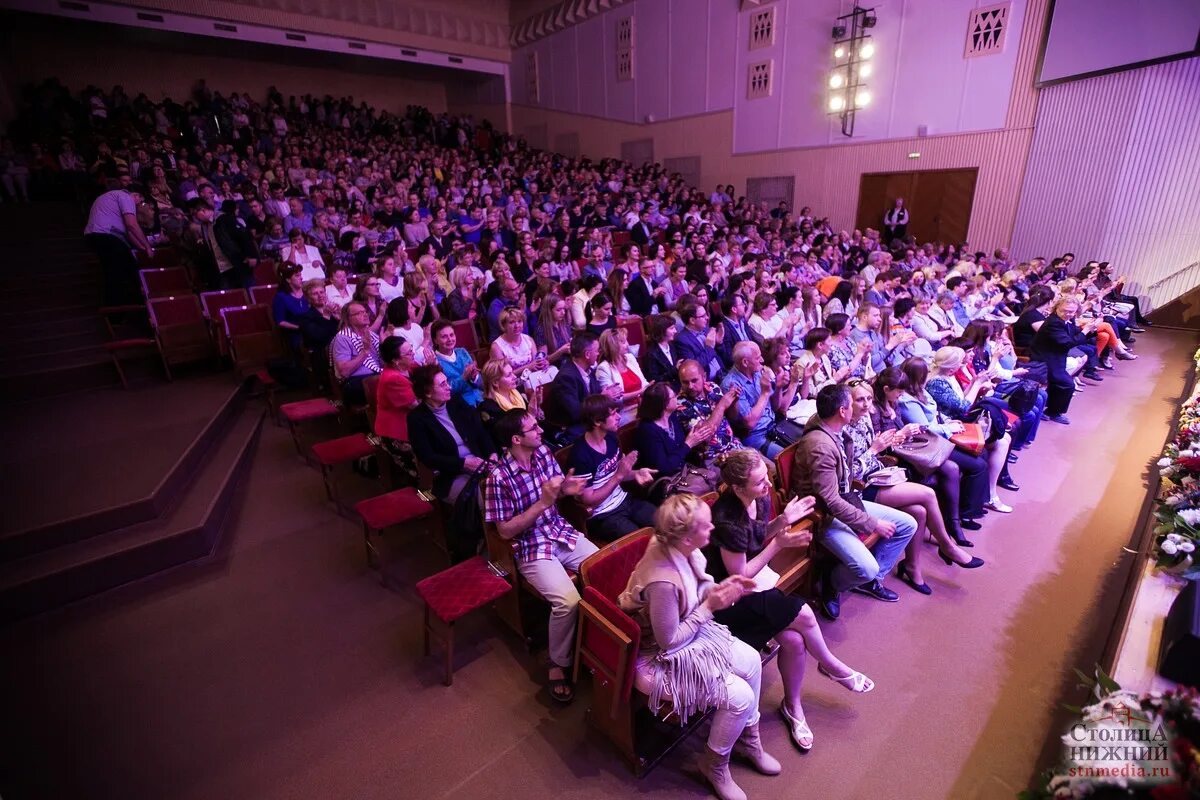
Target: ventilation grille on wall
(687, 166)
(224, 28)
(356, 45)
(144, 17)
(567, 144)
(67, 5)
(638, 151)
(296, 37)
(762, 28)
(532, 84)
(760, 82)
(625, 49)
(771, 190)
(987, 29)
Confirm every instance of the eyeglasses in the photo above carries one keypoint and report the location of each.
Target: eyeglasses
(527, 431)
(854, 383)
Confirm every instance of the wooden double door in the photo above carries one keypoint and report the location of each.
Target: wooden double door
(938, 202)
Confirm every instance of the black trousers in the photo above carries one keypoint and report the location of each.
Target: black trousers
(628, 517)
(119, 266)
(1059, 393)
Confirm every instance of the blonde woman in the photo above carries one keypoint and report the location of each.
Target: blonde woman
(744, 540)
(501, 393)
(528, 361)
(688, 659)
(618, 367)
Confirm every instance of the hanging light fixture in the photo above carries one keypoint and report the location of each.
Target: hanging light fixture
(852, 51)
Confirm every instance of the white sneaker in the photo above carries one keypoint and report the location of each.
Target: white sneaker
(995, 505)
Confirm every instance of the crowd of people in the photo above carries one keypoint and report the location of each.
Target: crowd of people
(903, 378)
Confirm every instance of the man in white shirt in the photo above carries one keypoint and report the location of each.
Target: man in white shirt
(112, 230)
(338, 291)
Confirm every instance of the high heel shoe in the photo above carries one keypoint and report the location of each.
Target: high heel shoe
(975, 563)
(969, 524)
(903, 574)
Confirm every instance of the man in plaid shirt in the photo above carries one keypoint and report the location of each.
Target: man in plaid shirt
(520, 495)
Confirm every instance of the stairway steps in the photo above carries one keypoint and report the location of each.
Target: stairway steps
(187, 531)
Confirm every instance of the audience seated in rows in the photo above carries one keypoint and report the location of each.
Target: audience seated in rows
(756, 329)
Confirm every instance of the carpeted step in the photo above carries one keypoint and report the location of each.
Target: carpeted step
(188, 531)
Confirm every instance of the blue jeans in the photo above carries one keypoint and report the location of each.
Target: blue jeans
(858, 564)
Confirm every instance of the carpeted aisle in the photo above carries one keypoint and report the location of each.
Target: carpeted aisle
(282, 670)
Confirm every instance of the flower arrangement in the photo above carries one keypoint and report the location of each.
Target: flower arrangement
(1178, 503)
(1176, 713)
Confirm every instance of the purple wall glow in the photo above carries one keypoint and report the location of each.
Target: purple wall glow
(1093, 35)
(920, 75)
(692, 57)
(1112, 176)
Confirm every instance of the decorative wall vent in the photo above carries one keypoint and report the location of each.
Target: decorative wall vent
(625, 49)
(762, 28)
(532, 84)
(625, 33)
(760, 83)
(987, 30)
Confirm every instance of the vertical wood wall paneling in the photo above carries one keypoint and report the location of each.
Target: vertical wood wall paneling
(1112, 175)
(1022, 104)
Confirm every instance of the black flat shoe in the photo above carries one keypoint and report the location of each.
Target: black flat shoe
(1007, 483)
(1013, 458)
(969, 525)
(902, 574)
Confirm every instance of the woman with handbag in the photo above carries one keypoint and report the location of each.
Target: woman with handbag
(953, 474)
(688, 659)
(744, 540)
(954, 402)
(916, 406)
(890, 486)
(664, 445)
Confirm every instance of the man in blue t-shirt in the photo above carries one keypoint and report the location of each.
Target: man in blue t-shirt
(597, 458)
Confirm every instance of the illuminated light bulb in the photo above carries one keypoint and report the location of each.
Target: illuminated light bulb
(867, 50)
(839, 52)
(837, 103)
(864, 71)
(862, 99)
(836, 81)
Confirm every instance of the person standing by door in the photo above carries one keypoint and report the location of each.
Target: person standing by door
(895, 222)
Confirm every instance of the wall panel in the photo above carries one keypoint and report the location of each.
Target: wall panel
(1113, 172)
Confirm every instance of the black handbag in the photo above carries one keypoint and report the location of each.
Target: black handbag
(785, 433)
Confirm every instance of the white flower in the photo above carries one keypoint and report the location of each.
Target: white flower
(1164, 462)
(1187, 480)
(1189, 515)
(1169, 547)
(1174, 499)
(1186, 547)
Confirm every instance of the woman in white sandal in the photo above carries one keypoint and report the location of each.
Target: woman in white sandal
(744, 541)
(689, 660)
